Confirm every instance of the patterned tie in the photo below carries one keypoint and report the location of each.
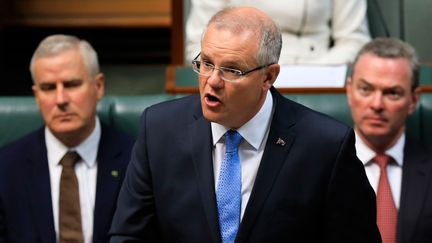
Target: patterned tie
(228, 193)
(70, 213)
(386, 208)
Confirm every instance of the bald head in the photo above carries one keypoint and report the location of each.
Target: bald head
(240, 20)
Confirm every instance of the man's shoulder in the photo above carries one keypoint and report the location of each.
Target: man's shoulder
(115, 135)
(114, 132)
(13, 153)
(178, 102)
(179, 107)
(24, 143)
(416, 149)
(305, 116)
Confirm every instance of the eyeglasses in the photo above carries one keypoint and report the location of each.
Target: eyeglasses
(227, 74)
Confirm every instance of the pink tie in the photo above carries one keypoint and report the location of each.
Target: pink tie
(386, 208)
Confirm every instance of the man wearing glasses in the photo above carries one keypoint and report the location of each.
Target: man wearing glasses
(239, 162)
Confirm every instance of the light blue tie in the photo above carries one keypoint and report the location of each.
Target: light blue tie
(228, 193)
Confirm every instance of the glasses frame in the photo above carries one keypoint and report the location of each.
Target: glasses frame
(240, 73)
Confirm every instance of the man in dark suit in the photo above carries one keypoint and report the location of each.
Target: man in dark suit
(382, 92)
(299, 179)
(67, 86)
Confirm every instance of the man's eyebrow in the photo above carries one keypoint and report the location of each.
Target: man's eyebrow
(45, 82)
(394, 87)
(228, 63)
(72, 80)
(203, 56)
(364, 81)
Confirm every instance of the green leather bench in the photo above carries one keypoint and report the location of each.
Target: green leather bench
(19, 115)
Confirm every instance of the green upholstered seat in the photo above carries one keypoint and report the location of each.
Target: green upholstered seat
(20, 115)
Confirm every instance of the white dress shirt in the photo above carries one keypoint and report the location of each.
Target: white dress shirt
(86, 171)
(394, 170)
(251, 148)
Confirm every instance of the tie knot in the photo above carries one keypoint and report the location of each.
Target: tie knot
(69, 159)
(382, 160)
(232, 140)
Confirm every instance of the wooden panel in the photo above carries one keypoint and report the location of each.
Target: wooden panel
(177, 33)
(128, 13)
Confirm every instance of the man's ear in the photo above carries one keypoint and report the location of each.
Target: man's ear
(35, 93)
(34, 89)
(348, 89)
(415, 99)
(272, 74)
(100, 85)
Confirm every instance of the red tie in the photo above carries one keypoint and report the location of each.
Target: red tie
(386, 208)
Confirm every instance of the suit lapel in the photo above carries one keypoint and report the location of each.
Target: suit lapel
(277, 147)
(201, 149)
(278, 144)
(39, 189)
(415, 180)
(108, 181)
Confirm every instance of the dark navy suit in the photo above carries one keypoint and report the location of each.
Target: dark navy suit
(26, 213)
(311, 188)
(415, 208)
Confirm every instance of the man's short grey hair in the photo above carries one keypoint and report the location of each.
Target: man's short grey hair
(56, 44)
(386, 47)
(267, 32)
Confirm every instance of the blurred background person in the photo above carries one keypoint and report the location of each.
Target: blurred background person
(313, 32)
(382, 92)
(60, 183)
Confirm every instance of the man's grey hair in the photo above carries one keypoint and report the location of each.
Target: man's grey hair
(56, 44)
(267, 32)
(386, 47)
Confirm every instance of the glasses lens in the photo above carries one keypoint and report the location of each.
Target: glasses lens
(196, 66)
(206, 69)
(230, 74)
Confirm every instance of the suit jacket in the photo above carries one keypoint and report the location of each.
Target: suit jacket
(415, 209)
(311, 189)
(26, 213)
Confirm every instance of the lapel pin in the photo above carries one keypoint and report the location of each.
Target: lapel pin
(280, 142)
(114, 173)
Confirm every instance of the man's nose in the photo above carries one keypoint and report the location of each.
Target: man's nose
(61, 96)
(377, 102)
(215, 79)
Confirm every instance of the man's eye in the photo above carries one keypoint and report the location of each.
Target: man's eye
(232, 71)
(72, 83)
(207, 65)
(47, 87)
(394, 94)
(364, 89)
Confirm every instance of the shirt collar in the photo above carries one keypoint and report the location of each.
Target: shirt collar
(366, 154)
(253, 131)
(87, 149)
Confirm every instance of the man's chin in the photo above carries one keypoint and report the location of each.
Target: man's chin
(64, 128)
(374, 134)
(211, 115)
